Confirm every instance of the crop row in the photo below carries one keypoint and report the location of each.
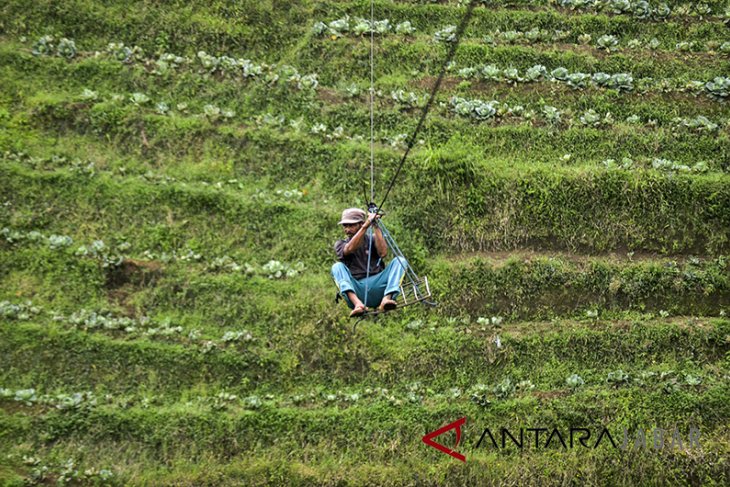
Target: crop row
(68, 472)
(639, 9)
(289, 76)
(229, 435)
(659, 379)
(481, 111)
(255, 26)
(142, 327)
(286, 76)
(684, 148)
(475, 109)
(115, 256)
(518, 290)
(549, 285)
(608, 42)
(312, 464)
(426, 14)
(407, 100)
(718, 88)
(448, 354)
(89, 168)
(703, 198)
(398, 61)
(245, 68)
(216, 103)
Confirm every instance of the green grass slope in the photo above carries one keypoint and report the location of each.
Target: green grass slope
(169, 188)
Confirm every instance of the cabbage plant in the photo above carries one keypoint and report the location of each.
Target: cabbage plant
(534, 35)
(20, 312)
(382, 26)
(237, 336)
(536, 73)
(578, 80)
(641, 9)
(209, 62)
(88, 95)
(504, 389)
(591, 118)
(44, 46)
(405, 28)
(511, 75)
(552, 114)
(661, 11)
(601, 79)
(123, 53)
(718, 87)
(319, 28)
(167, 62)
(491, 72)
(26, 396)
(607, 42)
(622, 82)
(58, 241)
(619, 6)
(574, 381)
(66, 48)
(447, 34)
(479, 394)
(405, 98)
(617, 377)
(511, 36)
(560, 74)
(338, 27)
(477, 109)
(139, 98)
(211, 111)
(308, 82)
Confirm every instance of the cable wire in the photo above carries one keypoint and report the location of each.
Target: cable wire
(411, 142)
(372, 101)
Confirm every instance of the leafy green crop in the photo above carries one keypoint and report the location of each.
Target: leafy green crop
(447, 34)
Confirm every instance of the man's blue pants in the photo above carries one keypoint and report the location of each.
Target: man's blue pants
(386, 282)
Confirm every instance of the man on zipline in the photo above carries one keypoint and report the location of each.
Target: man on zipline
(360, 288)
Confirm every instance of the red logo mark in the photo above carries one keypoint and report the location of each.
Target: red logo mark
(428, 439)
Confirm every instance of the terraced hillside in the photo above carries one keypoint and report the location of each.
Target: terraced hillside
(170, 181)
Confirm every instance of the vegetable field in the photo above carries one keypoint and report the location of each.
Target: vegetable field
(171, 177)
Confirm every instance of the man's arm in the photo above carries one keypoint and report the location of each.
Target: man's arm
(358, 238)
(380, 244)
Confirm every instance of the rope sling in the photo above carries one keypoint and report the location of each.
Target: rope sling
(416, 288)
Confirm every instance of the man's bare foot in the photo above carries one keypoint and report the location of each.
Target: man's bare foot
(387, 304)
(359, 310)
